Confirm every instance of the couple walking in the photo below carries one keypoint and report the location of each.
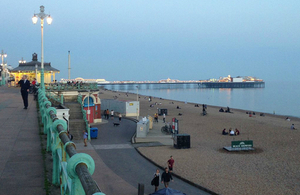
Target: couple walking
(166, 176)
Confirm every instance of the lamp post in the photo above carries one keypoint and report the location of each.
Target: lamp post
(36, 67)
(42, 16)
(137, 100)
(3, 55)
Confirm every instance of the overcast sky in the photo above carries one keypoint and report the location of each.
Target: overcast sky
(157, 39)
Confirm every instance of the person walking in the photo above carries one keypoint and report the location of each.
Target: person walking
(171, 163)
(25, 85)
(107, 114)
(164, 117)
(155, 180)
(120, 117)
(156, 117)
(85, 136)
(166, 177)
(104, 113)
(112, 114)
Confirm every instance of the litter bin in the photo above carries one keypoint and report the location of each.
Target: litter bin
(182, 141)
(94, 132)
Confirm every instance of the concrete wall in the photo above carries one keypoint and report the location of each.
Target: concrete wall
(127, 108)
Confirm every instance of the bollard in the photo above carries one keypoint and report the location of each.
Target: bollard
(141, 188)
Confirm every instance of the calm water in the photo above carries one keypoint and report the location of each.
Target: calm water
(281, 97)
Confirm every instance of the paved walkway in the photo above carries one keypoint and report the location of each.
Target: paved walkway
(122, 167)
(21, 163)
(119, 167)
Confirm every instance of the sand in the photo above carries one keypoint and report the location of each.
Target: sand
(273, 168)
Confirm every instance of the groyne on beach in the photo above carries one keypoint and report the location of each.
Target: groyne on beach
(273, 168)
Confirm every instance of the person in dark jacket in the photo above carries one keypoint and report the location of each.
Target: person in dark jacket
(166, 177)
(25, 85)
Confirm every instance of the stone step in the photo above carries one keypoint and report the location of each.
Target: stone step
(75, 115)
(73, 105)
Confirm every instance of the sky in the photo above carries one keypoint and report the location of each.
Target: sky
(151, 40)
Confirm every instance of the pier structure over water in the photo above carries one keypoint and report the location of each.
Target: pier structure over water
(181, 85)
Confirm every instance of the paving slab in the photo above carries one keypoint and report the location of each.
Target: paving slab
(21, 164)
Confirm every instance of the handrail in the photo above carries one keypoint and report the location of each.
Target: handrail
(70, 86)
(87, 127)
(57, 98)
(71, 170)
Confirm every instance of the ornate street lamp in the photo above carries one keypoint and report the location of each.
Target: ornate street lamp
(22, 61)
(42, 16)
(3, 55)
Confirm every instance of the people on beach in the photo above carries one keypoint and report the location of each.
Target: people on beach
(155, 180)
(221, 110)
(224, 132)
(237, 132)
(25, 85)
(178, 107)
(164, 117)
(85, 136)
(227, 110)
(231, 132)
(293, 127)
(288, 119)
(171, 163)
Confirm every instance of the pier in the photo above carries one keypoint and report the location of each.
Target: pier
(181, 85)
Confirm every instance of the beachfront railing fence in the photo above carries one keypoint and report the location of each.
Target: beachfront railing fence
(71, 86)
(87, 126)
(56, 97)
(71, 170)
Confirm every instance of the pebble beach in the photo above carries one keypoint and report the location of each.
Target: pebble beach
(272, 168)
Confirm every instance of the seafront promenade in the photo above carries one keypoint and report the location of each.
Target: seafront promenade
(21, 163)
(119, 167)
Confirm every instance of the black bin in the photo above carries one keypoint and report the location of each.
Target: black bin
(182, 141)
(162, 111)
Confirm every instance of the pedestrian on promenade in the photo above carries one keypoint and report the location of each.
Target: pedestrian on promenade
(107, 113)
(25, 85)
(164, 117)
(166, 177)
(156, 117)
(112, 114)
(155, 180)
(171, 163)
(104, 113)
(85, 136)
(120, 117)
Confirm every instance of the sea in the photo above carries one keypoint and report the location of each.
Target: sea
(278, 97)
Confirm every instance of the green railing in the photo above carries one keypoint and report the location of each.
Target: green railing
(72, 171)
(87, 126)
(55, 97)
(71, 87)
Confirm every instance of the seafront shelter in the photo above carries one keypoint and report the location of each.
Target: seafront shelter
(32, 69)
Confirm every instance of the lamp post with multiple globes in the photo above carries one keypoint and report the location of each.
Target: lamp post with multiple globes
(42, 16)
